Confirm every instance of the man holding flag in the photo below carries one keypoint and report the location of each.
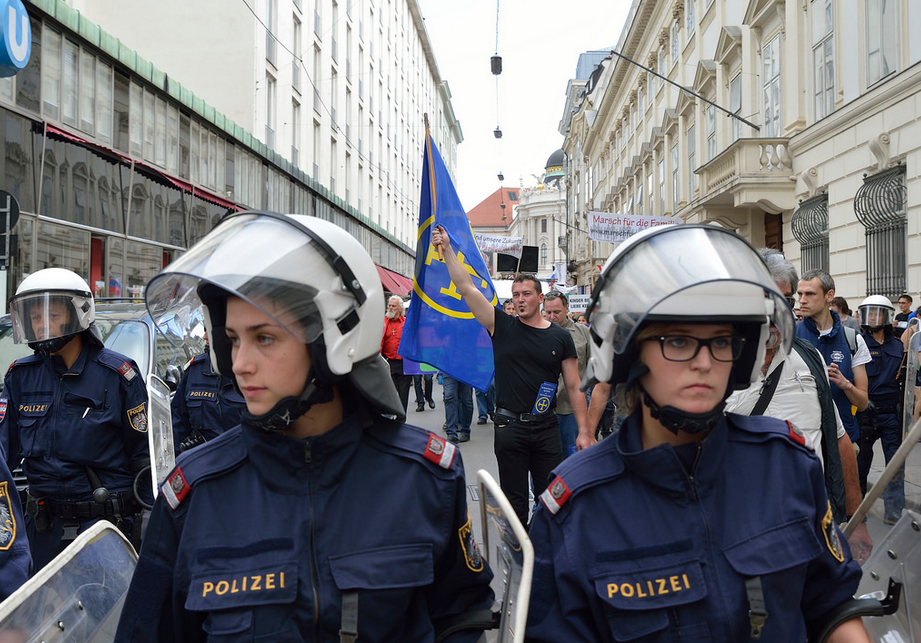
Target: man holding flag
(530, 355)
(452, 325)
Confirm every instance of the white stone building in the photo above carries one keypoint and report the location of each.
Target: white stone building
(339, 88)
(828, 174)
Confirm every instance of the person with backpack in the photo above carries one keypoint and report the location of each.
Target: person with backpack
(795, 387)
(843, 349)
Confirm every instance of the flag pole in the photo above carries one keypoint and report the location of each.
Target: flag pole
(431, 163)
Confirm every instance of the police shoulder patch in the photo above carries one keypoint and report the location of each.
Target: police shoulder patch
(7, 518)
(472, 555)
(3, 404)
(127, 371)
(175, 488)
(796, 435)
(556, 495)
(137, 417)
(832, 538)
(439, 451)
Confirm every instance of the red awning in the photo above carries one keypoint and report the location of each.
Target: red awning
(395, 283)
(101, 150)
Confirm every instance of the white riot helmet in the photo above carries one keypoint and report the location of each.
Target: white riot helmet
(50, 307)
(311, 270)
(685, 273)
(876, 312)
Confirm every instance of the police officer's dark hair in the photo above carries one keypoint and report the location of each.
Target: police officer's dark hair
(782, 271)
(827, 281)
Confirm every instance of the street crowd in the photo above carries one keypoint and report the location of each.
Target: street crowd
(682, 455)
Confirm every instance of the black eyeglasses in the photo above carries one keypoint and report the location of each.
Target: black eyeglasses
(684, 348)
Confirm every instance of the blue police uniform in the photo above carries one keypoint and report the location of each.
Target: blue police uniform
(884, 390)
(630, 547)
(259, 536)
(834, 349)
(68, 425)
(205, 402)
(15, 559)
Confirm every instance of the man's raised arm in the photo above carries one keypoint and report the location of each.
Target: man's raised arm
(482, 310)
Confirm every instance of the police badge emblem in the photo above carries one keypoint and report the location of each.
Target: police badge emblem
(439, 451)
(556, 495)
(137, 417)
(832, 538)
(7, 519)
(472, 555)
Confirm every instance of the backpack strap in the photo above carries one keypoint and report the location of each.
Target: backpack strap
(851, 336)
(834, 474)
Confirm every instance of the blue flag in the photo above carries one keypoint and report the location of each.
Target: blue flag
(440, 330)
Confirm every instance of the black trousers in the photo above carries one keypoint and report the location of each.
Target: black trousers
(522, 448)
(402, 382)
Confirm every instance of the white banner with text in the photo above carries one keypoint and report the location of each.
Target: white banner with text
(614, 228)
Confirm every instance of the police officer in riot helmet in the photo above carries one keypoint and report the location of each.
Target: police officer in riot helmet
(883, 418)
(688, 523)
(75, 415)
(205, 403)
(321, 516)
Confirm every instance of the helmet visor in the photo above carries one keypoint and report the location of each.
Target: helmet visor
(264, 261)
(875, 316)
(39, 316)
(714, 266)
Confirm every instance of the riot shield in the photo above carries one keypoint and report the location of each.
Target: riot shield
(78, 596)
(160, 431)
(912, 398)
(891, 511)
(897, 557)
(510, 554)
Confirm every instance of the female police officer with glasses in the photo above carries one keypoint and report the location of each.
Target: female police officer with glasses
(688, 524)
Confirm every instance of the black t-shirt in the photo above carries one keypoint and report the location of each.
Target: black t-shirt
(525, 357)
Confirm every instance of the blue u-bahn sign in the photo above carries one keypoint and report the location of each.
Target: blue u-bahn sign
(15, 37)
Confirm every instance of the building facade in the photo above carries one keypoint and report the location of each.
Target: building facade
(338, 88)
(118, 167)
(541, 217)
(799, 134)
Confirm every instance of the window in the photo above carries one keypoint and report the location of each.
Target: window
(51, 73)
(649, 192)
(270, 111)
(692, 161)
(543, 225)
(87, 92)
(710, 117)
(661, 61)
(880, 205)
(543, 254)
(735, 105)
(689, 13)
(772, 107)
(121, 105)
(270, 29)
(676, 191)
(70, 83)
(316, 79)
(823, 57)
(661, 200)
(104, 102)
(882, 39)
(640, 102)
(639, 197)
(297, 62)
(295, 131)
(674, 42)
(333, 96)
(810, 228)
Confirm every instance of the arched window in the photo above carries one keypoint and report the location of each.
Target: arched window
(543, 254)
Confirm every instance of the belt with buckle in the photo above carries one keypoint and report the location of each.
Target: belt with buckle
(522, 417)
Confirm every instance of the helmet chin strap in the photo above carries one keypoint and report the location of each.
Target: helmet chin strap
(289, 409)
(49, 346)
(677, 420)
